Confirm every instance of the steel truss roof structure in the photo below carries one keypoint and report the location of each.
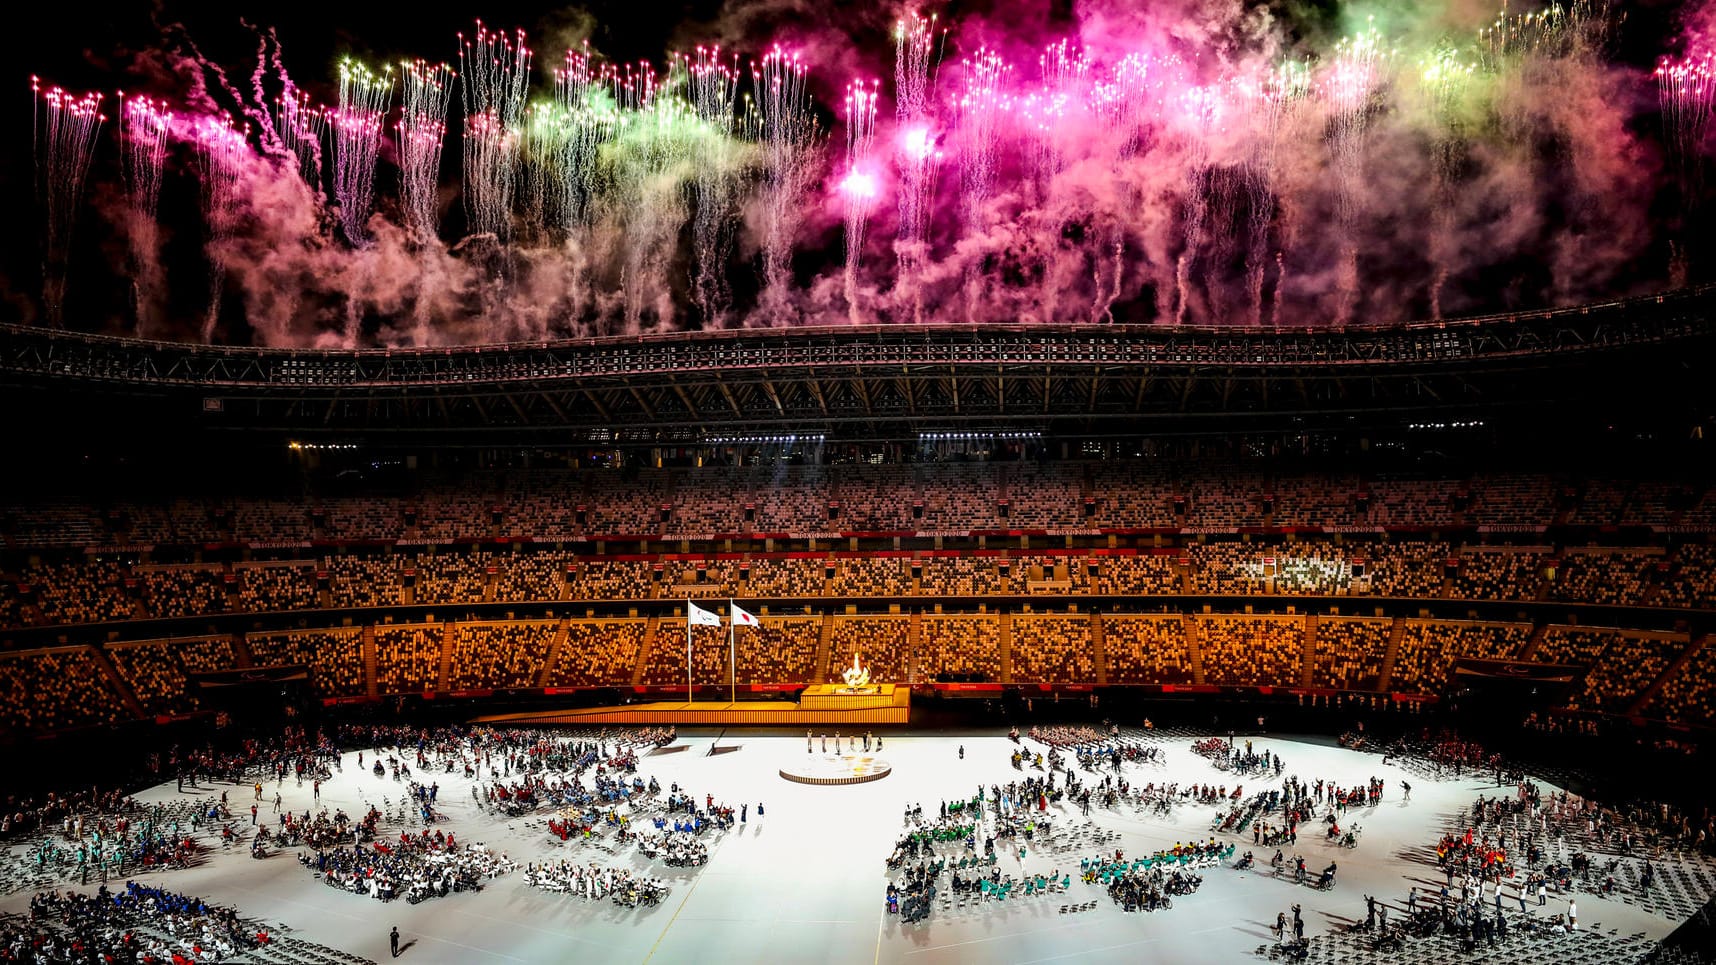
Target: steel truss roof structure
(876, 381)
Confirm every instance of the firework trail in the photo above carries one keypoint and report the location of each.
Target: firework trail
(1686, 91)
(982, 105)
(1443, 78)
(221, 150)
(589, 116)
(299, 126)
(1203, 107)
(357, 126)
(1349, 85)
(1049, 113)
(422, 131)
(654, 142)
(1038, 114)
(270, 56)
(1523, 50)
(789, 133)
(859, 185)
(1554, 32)
(495, 74)
(1125, 98)
(65, 129)
(1046, 120)
(144, 125)
(559, 152)
(542, 140)
(586, 118)
(714, 89)
(582, 108)
(1124, 102)
(916, 155)
(638, 157)
(1275, 99)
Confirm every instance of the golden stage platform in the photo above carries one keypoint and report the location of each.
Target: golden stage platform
(820, 704)
(834, 769)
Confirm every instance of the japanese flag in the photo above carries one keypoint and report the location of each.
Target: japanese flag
(741, 618)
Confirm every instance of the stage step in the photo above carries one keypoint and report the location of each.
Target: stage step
(1307, 670)
(1395, 635)
(369, 659)
(561, 631)
(445, 664)
(1099, 648)
(670, 487)
(914, 642)
(1680, 662)
(242, 657)
(642, 659)
(1194, 646)
(234, 600)
(1530, 650)
(819, 669)
(117, 682)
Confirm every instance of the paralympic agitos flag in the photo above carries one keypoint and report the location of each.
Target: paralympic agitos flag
(1548, 673)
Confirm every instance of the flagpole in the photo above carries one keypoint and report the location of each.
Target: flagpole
(688, 653)
(732, 656)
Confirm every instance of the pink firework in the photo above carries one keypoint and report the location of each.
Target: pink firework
(221, 151)
(1686, 91)
(916, 47)
(494, 71)
(66, 127)
(1349, 87)
(588, 120)
(789, 133)
(714, 91)
(1049, 115)
(357, 125)
(422, 131)
(982, 104)
(1356, 71)
(858, 188)
(300, 126)
(144, 126)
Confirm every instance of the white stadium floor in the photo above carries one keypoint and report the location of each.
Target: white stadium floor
(805, 883)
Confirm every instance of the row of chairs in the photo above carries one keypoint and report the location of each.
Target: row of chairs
(1107, 871)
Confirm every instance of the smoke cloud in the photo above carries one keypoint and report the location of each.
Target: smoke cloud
(1203, 162)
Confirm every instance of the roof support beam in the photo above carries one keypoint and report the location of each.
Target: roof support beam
(596, 404)
(732, 403)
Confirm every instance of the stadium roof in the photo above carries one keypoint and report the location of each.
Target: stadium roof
(890, 381)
